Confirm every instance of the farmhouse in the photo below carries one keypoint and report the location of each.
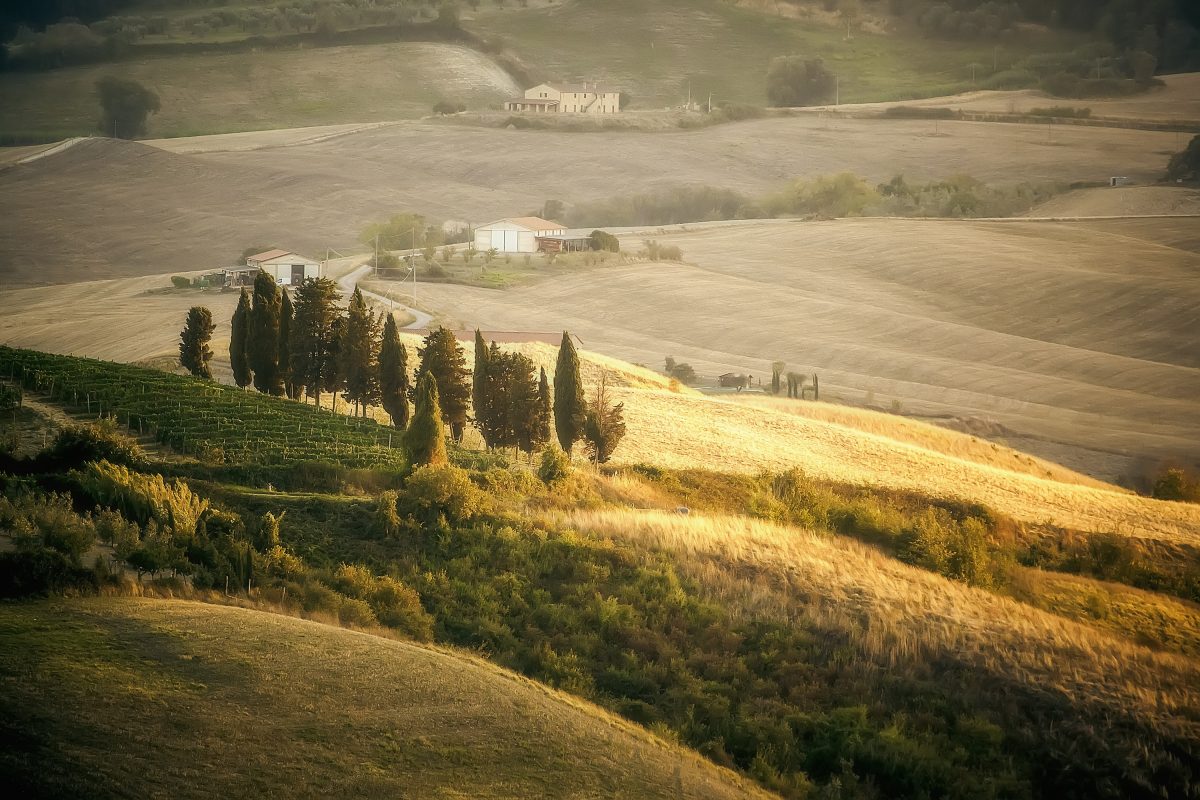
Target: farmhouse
(568, 98)
(288, 269)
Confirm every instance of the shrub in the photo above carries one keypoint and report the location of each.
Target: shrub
(1176, 484)
(555, 466)
(1011, 79)
(918, 112)
(1061, 111)
(143, 497)
(841, 195)
(443, 490)
(79, 444)
(43, 572)
(386, 522)
(1185, 165)
(602, 240)
(798, 81)
(180, 282)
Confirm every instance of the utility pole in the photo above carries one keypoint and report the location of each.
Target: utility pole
(377, 256)
(837, 90)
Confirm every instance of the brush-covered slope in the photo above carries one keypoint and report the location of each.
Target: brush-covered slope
(127, 697)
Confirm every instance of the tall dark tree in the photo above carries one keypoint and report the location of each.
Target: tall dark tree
(443, 358)
(493, 416)
(393, 374)
(262, 345)
(194, 352)
(358, 355)
(544, 413)
(480, 388)
(425, 439)
(126, 105)
(287, 316)
(311, 336)
(333, 378)
(238, 337)
(522, 391)
(605, 425)
(570, 407)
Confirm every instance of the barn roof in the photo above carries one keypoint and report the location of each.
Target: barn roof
(268, 255)
(529, 223)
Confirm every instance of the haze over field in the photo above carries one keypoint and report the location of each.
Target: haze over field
(592, 399)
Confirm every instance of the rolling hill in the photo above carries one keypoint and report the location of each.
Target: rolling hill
(105, 208)
(206, 700)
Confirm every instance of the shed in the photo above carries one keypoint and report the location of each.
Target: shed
(516, 234)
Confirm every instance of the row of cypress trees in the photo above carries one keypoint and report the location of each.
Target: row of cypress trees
(307, 346)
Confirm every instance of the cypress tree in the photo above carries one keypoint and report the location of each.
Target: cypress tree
(425, 437)
(522, 391)
(286, 317)
(332, 376)
(194, 352)
(442, 357)
(311, 335)
(238, 359)
(496, 428)
(570, 407)
(393, 374)
(262, 347)
(358, 354)
(543, 412)
(480, 389)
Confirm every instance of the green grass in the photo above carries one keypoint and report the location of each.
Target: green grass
(123, 697)
(655, 50)
(229, 92)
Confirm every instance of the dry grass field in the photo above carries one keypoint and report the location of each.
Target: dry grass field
(1123, 201)
(1042, 328)
(1179, 100)
(108, 209)
(198, 699)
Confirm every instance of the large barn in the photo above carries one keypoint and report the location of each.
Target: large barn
(516, 234)
(287, 268)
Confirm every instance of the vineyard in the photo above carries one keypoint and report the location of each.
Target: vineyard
(214, 423)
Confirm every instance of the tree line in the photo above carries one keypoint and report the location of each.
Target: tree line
(305, 347)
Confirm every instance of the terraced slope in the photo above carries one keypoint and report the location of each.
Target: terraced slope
(207, 700)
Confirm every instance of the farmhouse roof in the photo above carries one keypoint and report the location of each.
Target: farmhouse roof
(529, 223)
(535, 101)
(269, 254)
(581, 87)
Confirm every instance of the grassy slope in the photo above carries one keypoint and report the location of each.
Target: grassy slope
(271, 89)
(653, 50)
(650, 49)
(208, 700)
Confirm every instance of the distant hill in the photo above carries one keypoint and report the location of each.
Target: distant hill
(122, 697)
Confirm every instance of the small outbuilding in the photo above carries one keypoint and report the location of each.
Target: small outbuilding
(516, 234)
(287, 268)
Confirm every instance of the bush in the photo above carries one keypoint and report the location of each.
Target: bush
(79, 444)
(444, 490)
(444, 107)
(180, 282)
(43, 572)
(842, 195)
(1185, 165)
(1011, 79)
(1176, 484)
(602, 240)
(654, 251)
(555, 466)
(797, 81)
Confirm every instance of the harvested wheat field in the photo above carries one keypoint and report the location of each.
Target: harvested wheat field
(200, 696)
(1177, 100)
(1123, 201)
(104, 208)
(1076, 337)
